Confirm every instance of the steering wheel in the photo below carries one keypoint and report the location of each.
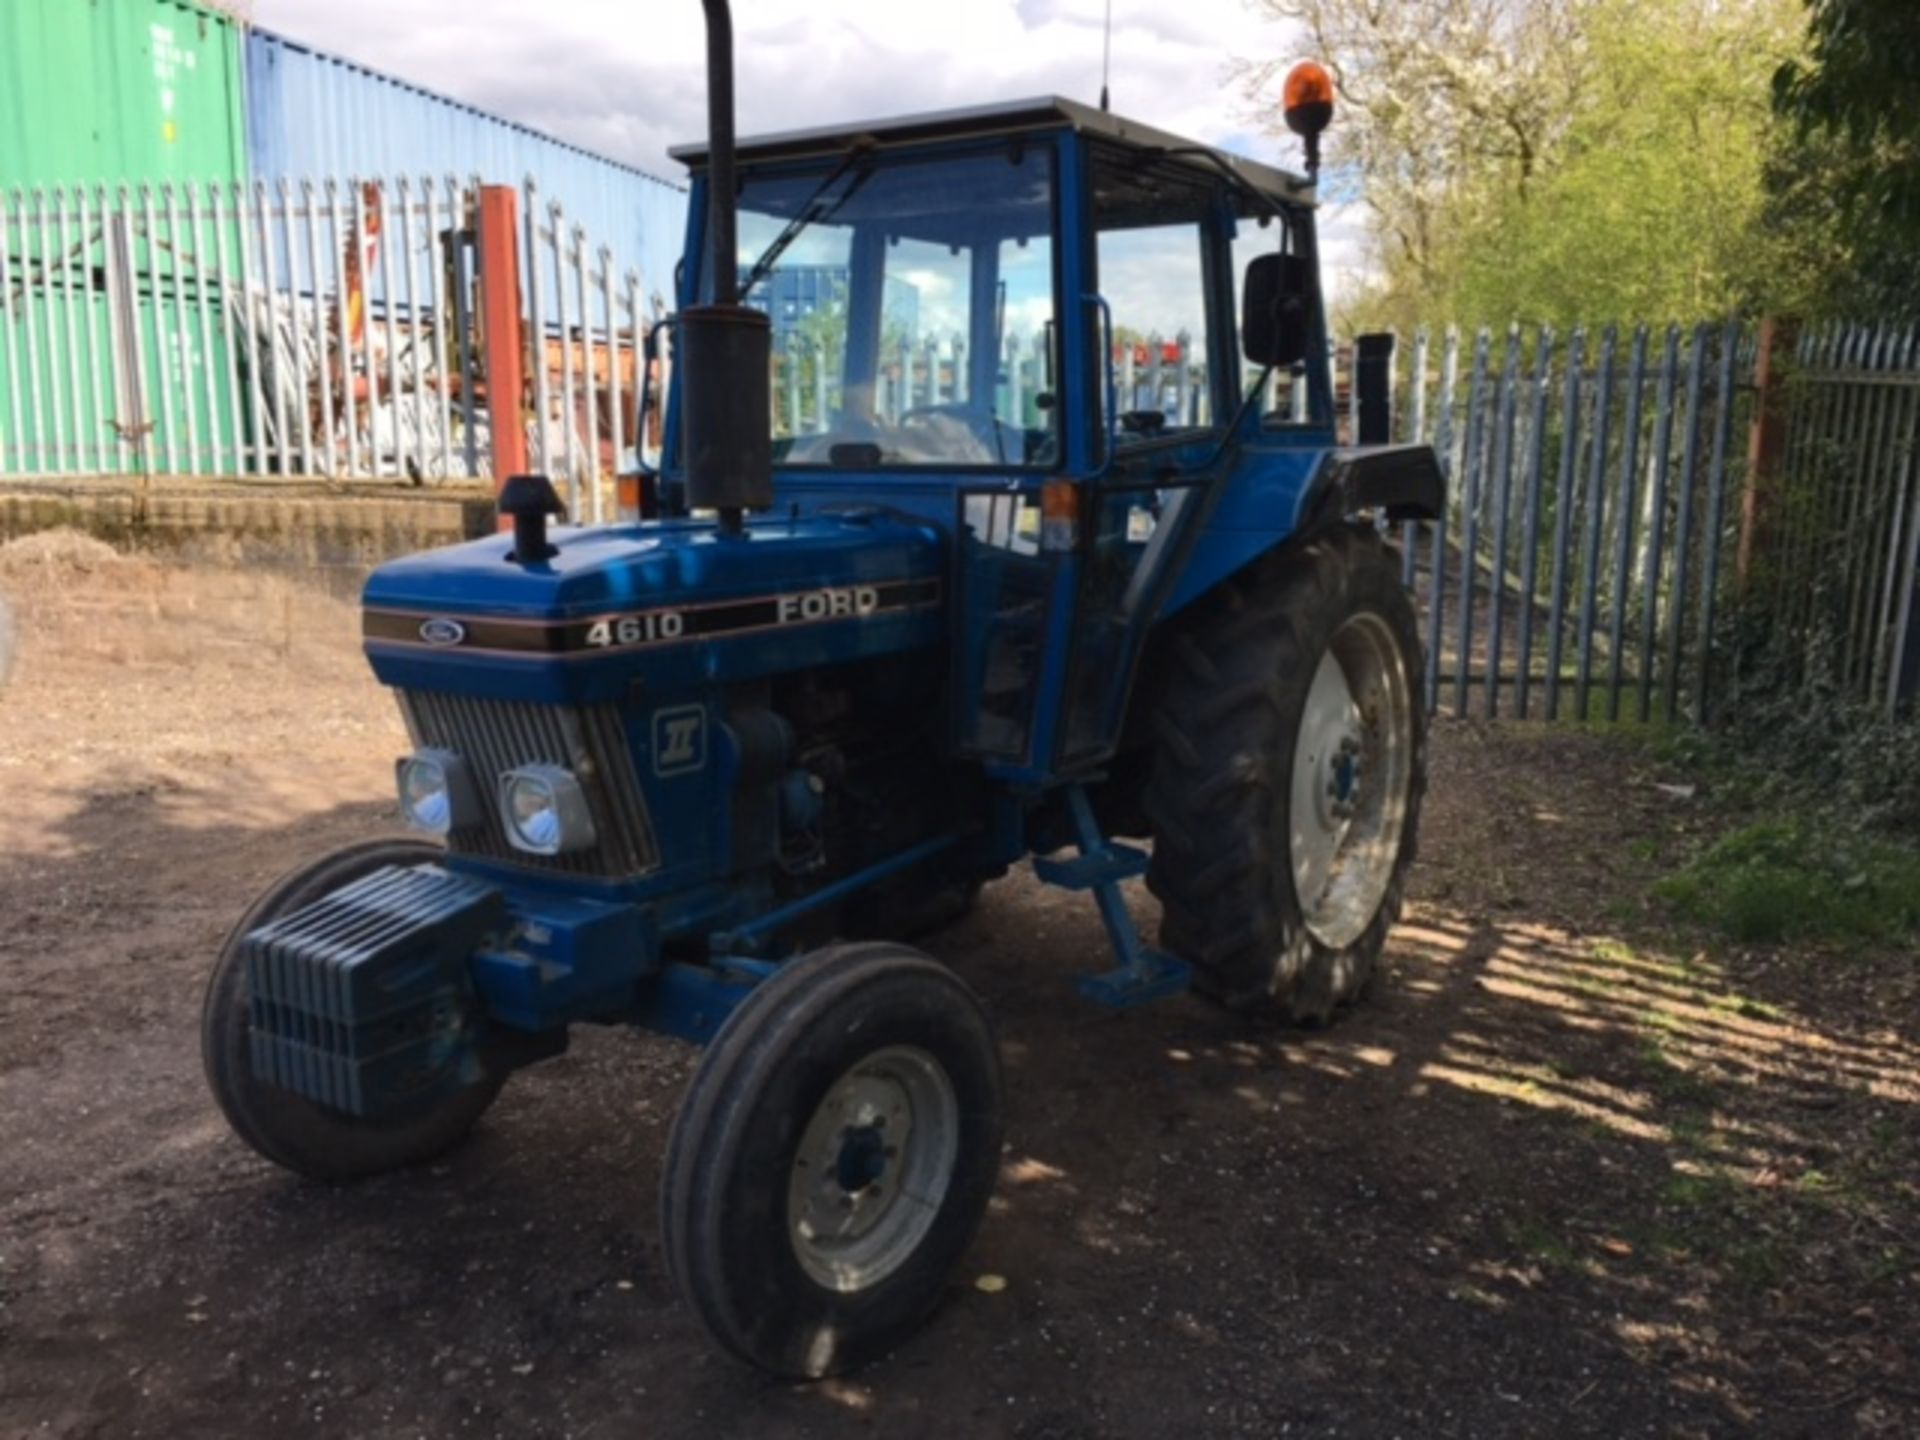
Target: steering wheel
(985, 426)
(964, 410)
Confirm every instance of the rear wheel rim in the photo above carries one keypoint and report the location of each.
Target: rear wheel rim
(873, 1168)
(1352, 770)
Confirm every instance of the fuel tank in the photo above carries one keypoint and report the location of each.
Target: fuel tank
(667, 604)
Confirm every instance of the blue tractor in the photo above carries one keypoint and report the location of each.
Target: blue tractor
(709, 773)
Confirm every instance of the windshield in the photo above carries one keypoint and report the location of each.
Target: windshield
(913, 310)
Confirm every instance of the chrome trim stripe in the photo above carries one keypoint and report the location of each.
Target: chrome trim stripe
(691, 624)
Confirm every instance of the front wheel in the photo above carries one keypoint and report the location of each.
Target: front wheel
(1289, 768)
(288, 1129)
(833, 1158)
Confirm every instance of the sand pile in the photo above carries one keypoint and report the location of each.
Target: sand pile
(57, 554)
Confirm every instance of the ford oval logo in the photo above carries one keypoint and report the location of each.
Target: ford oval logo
(442, 632)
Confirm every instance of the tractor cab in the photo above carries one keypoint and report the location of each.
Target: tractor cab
(1057, 335)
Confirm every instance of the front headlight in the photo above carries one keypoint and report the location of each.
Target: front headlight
(545, 810)
(436, 792)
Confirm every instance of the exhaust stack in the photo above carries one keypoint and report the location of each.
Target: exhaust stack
(726, 348)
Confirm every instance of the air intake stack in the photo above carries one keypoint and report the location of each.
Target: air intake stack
(726, 348)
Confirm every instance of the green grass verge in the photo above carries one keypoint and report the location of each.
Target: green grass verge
(1791, 879)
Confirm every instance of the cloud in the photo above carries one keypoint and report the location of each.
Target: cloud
(628, 80)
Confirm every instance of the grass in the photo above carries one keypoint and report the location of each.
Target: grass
(1746, 1007)
(1540, 1241)
(1723, 1222)
(1792, 879)
(1673, 1084)
(1751, 1196)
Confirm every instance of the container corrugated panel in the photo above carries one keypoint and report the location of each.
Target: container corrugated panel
(118, 90)
(313, 115)
(105, 102)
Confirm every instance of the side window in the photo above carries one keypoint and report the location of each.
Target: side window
(1153, 280)
(1151, 224)
(1023, 322)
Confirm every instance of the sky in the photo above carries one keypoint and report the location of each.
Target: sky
(626, 78)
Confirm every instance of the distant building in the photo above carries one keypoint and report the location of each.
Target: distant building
(793, 292)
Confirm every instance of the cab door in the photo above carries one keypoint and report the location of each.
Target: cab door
(1061, 580)
(1162, 233)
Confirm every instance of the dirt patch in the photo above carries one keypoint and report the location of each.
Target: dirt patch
(1569, 1170)
(55, 556)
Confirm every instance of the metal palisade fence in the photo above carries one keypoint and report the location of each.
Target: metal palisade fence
(1612, 492)
(1618, 496)
(1578, 569)
(588, 329)
(300, 328)
(1835, 546)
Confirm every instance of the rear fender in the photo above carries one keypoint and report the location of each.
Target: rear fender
(1273, 497)
(1403, 482)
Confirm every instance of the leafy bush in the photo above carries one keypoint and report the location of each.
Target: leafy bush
(1798, 734)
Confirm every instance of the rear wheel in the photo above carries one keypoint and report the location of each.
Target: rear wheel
(288, 1129)
(833, 1158)
(1289, 767)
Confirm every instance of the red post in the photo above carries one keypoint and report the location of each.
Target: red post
(501, 332)
(1766, 441)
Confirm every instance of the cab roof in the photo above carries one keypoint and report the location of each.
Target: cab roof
(1045, 112)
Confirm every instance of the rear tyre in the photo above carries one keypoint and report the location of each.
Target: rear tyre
(1289, 767)
(833, 1158)
(288, 1129)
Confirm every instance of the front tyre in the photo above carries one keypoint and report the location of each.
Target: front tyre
(288, 1129)
(833, 1158)
(1289, 767)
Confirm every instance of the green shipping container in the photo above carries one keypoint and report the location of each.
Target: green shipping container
(118, 90)
(120, 362)
(97, 96)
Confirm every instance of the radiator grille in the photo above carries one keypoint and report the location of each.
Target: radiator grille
(498, 735)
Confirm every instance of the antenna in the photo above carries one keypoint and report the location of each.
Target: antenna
(1106, 55)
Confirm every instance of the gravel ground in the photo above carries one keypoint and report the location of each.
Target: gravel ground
(1552, 1177)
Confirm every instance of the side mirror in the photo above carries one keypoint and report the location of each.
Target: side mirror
(1273, 310)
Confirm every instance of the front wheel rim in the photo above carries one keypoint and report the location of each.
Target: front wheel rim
(873, 1168)
(1352, 771)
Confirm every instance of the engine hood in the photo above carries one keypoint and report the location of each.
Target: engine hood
(672, 603)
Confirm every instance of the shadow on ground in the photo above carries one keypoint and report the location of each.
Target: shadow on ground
(1545, 1179)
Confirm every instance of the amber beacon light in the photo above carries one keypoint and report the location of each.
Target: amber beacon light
(1307, 101)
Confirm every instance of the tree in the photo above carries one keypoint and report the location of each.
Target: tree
(1437, 95)
(1849, 184)
(1857, 87)
(1653, 205)
(1566, 161)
